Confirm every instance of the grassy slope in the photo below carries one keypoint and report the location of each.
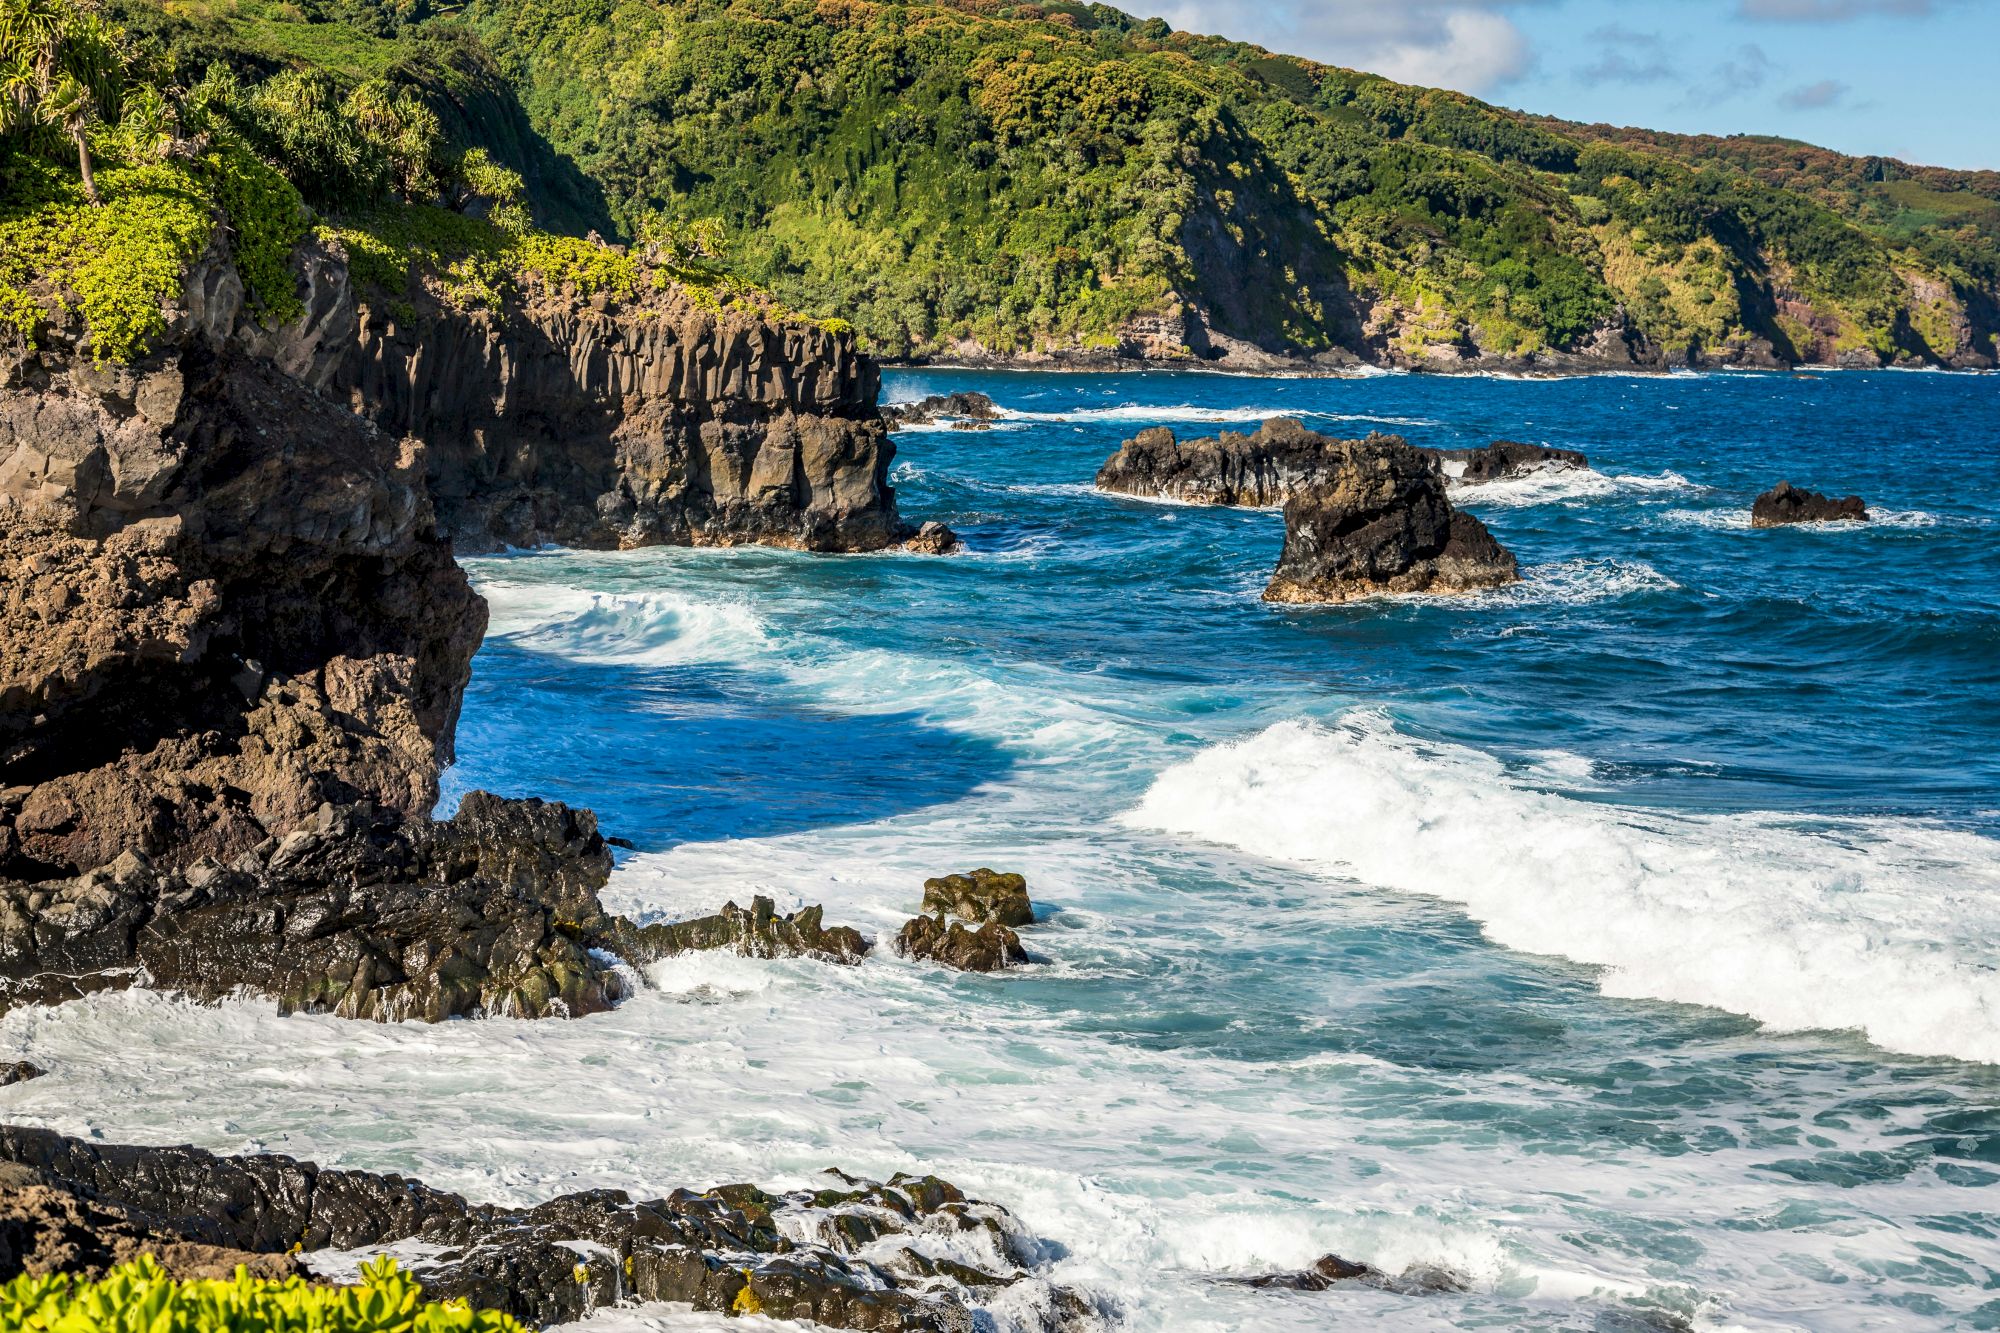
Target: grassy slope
(936, 172)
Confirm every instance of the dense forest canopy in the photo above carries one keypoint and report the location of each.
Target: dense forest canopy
(1054, 176)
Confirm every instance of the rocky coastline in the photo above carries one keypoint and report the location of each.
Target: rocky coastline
(852, 1253)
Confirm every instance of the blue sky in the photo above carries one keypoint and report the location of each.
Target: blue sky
(1915, 79)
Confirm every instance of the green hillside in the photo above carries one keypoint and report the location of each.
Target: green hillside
(1014, 179)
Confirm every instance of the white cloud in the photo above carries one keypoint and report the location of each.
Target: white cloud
(1470, 45)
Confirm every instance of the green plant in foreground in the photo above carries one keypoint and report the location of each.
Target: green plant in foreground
(139, 1297)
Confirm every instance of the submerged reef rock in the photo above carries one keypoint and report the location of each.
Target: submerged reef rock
(966, 411)
(1505, 460)
(981, 896)
(1333, 1271)
(757, 933)
(1282, 459)
(222, 606)
(913, 1255)
(1786, 503)
(990, 948)
(1380, 524)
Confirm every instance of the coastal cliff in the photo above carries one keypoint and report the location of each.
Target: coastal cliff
(234, 640)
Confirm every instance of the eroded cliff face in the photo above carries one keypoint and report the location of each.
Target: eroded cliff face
(222, 604)
(608, 425)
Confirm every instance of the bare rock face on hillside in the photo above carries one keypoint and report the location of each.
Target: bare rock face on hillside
(1381, 523)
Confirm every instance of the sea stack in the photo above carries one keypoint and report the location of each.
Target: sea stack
(1381, 523)
(1785, 504)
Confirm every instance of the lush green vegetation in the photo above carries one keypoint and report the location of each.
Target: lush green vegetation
(1020, 175)
(1025, 174)
(140, 1298)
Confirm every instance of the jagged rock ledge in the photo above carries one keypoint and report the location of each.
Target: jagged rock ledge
(368, 914)
(856, 1254)
(1282, 459)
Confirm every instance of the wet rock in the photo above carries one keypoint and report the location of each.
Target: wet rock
(1505, 460)
(757, 933)
(1379, 523)
(46, 1229)
(365, 914)
(981, 896)
(866, 1257)
(933, 538)
(966, 411)
(1786, 503)
(19, 1071)
(990, 948)
(1331, 1270)
(1265, 468)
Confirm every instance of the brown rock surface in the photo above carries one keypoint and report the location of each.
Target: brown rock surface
(981, 896)
(931, 939)
(1381, 524)
(1785, 504)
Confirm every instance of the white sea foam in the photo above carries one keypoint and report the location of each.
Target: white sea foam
(1884, 926)
(1549, 487)
(1188, 412)
(1572, 583)
(1738, 520)
(660, 628)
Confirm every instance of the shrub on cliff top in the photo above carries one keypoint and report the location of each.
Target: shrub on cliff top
(140, 1298)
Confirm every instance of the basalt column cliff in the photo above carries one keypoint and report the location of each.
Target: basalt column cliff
(629, 423)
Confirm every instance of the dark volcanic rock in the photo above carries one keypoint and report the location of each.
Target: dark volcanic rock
(222, 605)
(1282, 459)
(757, 933)
(19, 1071)
(370, 915)
(51, 1229)
(967, 411)
(1332, 1271)
(931, 939)
(1786, 503)
(1265, 468)
(866, 1262)
(365, 914)
(933, 538)
(1379, 524)
(980, 897)
(1506, 459)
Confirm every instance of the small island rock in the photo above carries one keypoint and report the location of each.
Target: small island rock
(982, 896)
(1786, 503)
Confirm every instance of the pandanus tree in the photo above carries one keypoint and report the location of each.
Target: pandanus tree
(63, 69)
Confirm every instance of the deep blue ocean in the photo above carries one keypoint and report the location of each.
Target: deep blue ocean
(1626, 942)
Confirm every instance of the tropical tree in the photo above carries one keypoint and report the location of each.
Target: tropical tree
(63, 68)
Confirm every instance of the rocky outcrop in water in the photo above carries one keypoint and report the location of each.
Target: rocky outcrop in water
(1381, 523)
(758, 933)
(913, 1255)
(963, 410)
(1506, 460)
(981, 896)
(1786, 503)
(932, 939)
(1281, 459)
(222, 606)
(19, 1071)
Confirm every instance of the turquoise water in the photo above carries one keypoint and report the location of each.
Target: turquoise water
(1624, 941)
